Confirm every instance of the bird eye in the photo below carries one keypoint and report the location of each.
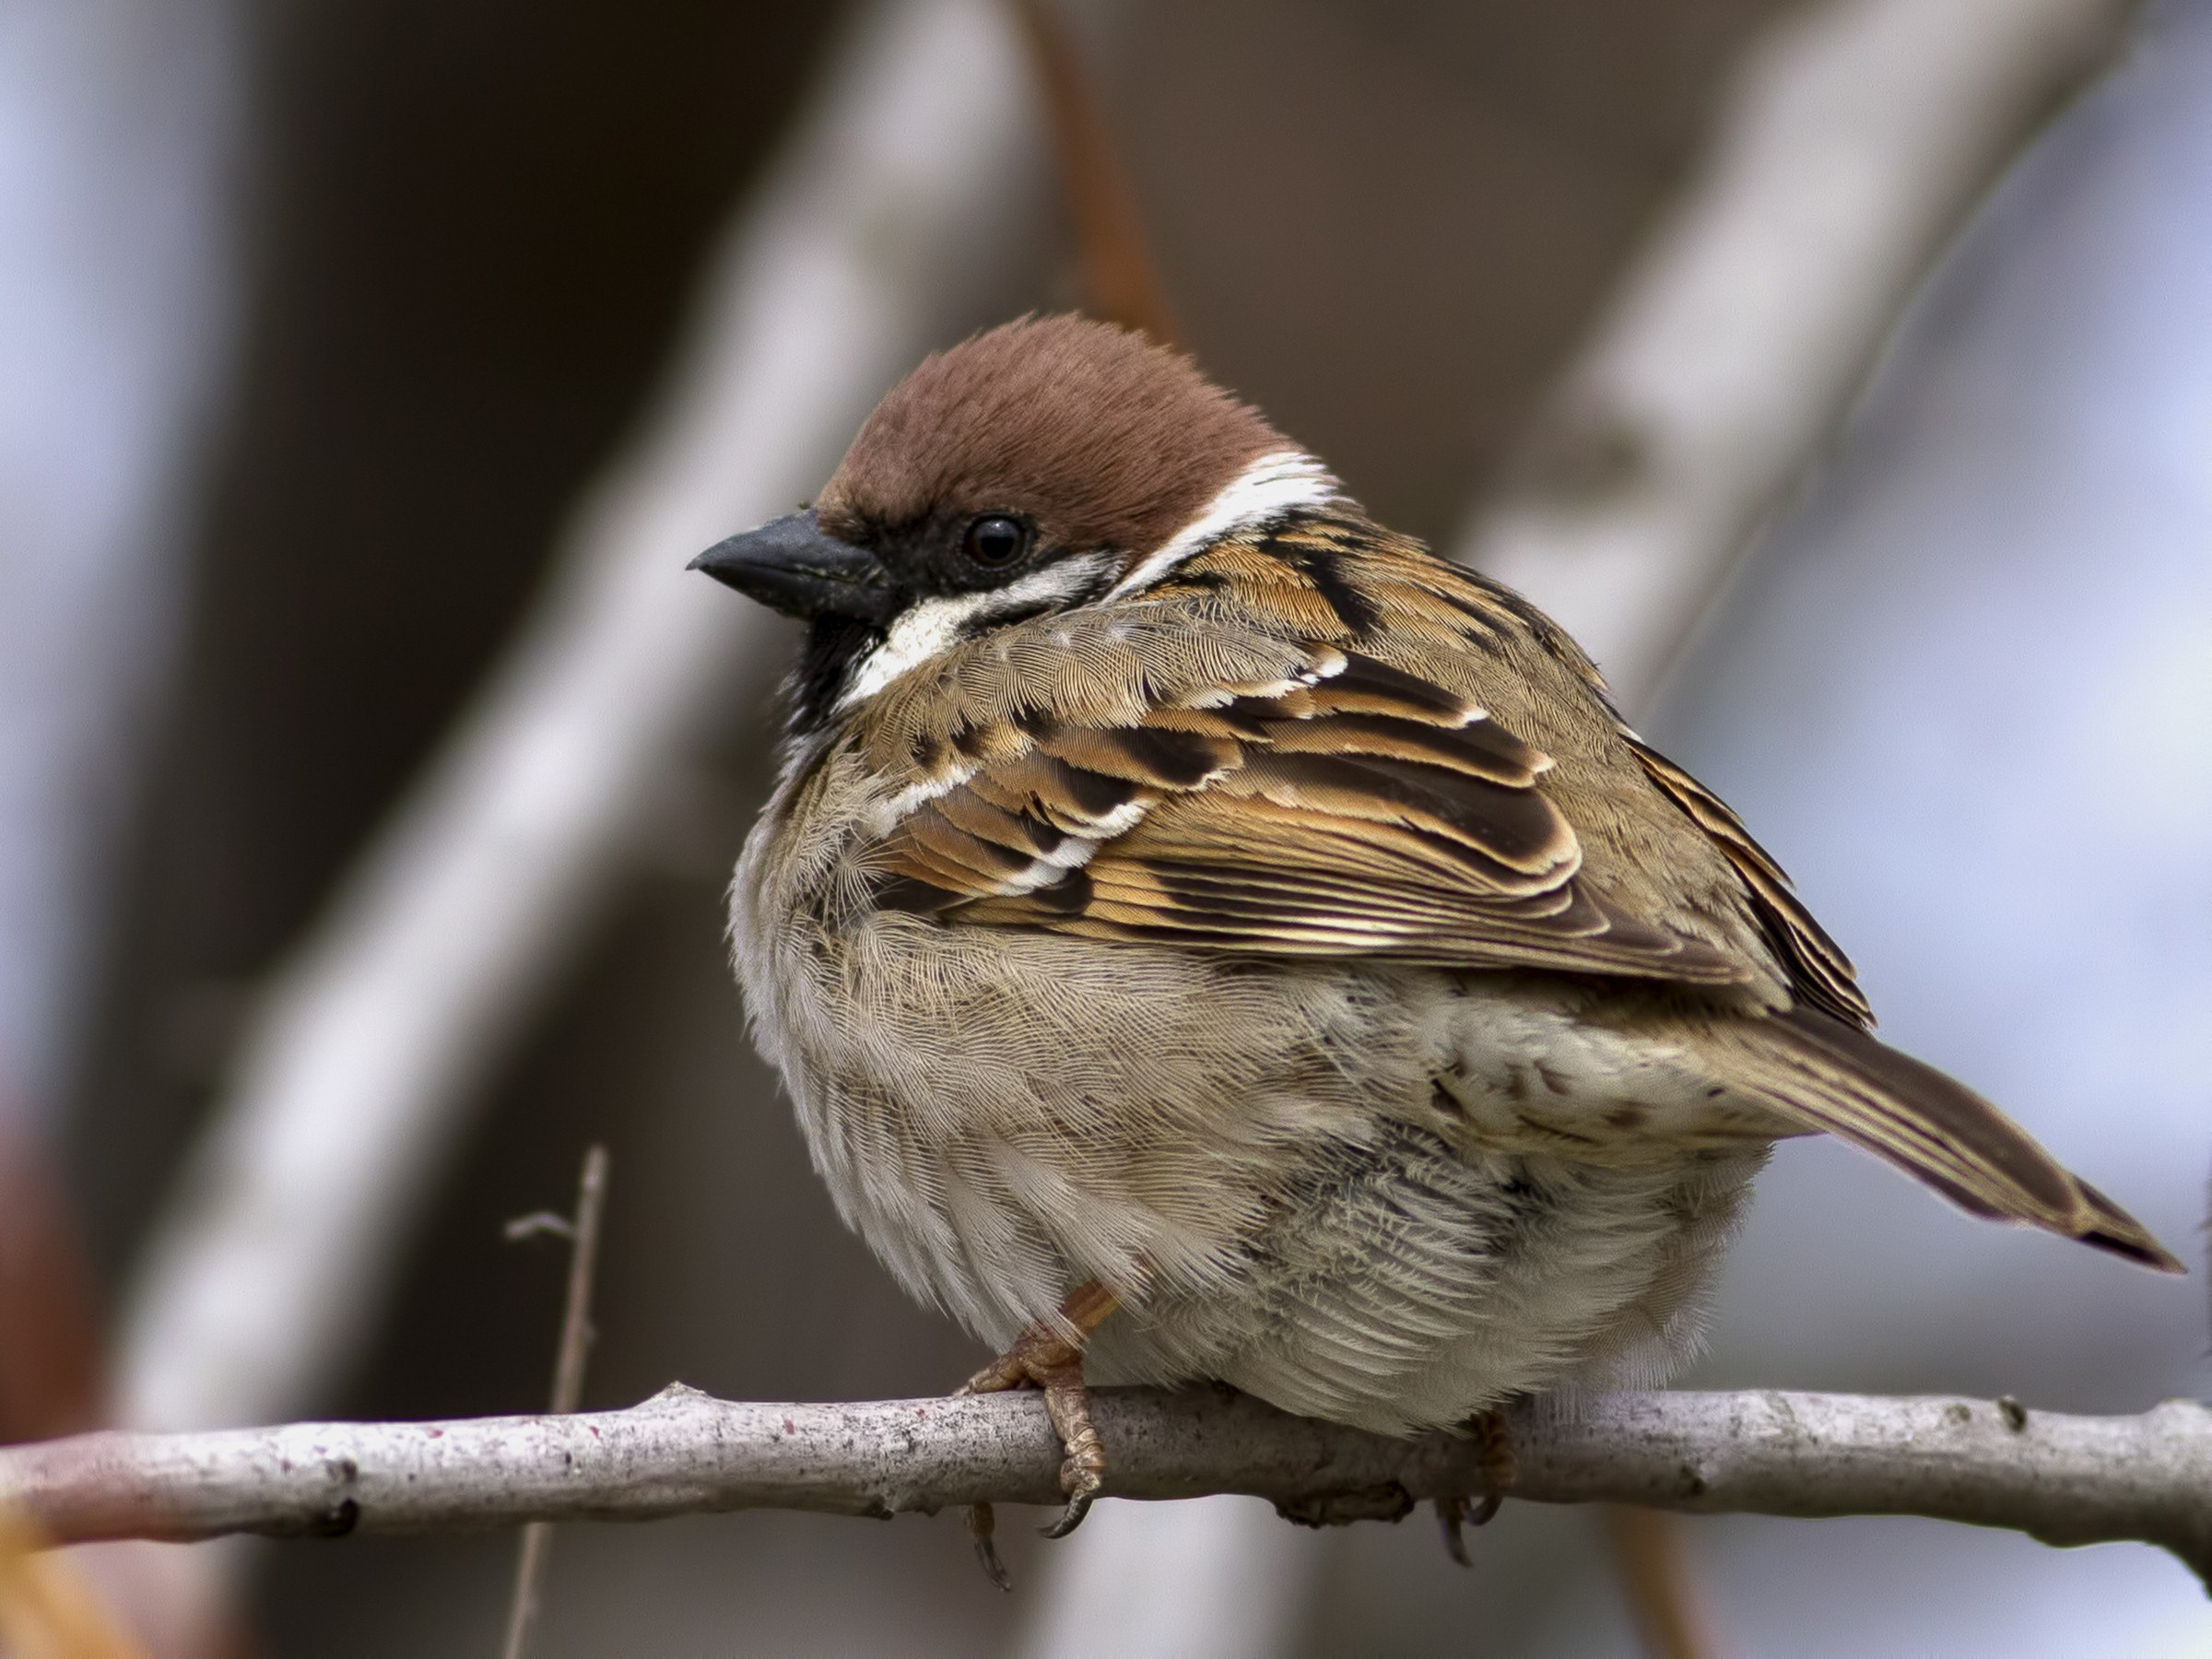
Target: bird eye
(994, 540)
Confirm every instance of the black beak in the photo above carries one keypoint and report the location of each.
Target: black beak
(789, 565)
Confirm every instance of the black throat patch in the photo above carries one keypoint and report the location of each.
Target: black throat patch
(833, 645)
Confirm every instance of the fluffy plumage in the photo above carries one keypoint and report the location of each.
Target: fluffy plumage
(1233, 904)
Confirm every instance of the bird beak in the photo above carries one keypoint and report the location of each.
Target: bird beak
(790, 565)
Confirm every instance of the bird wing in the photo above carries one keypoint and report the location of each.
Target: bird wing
(1250, 793)
(1820, 975)
(1198, 783)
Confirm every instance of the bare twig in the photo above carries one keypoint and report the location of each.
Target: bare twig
(576, 1334)
(2067, 1480)
(1120, 278)
(1856, 141)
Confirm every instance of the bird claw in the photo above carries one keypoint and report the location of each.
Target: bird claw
(1494, 1464)
(1079, 1506)
(1043, 1358)
(1016, 1368)
(1084, 1471)
(1450, 1516)
(982, 1522)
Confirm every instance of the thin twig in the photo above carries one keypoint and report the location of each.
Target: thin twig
(2063, 1479)
(576, 1333)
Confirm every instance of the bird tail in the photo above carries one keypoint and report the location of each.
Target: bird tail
(1825, 1074)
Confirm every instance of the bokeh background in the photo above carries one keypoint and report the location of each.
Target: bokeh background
(321, 320)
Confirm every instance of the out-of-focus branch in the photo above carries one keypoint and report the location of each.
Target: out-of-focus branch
(1856, 141)
(907, 178)
(1122, 280)
(1659, 1581)
(45, 1608)
(49, 1355)
(50, 1384)
(2067, 1480)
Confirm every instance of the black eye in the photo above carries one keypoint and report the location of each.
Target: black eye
(994, 540)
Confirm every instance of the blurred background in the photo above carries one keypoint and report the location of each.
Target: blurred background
(369, 771)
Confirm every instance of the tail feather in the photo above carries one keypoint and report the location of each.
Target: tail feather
(1827, 1076)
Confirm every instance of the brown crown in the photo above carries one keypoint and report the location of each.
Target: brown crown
(1101, 437)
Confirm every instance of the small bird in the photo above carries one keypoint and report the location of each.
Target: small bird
(1208, 936)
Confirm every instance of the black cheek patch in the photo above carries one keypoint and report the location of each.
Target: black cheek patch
(833, 645)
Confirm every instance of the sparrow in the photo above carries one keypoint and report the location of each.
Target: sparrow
(1207, 937)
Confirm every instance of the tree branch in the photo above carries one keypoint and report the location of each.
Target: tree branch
(2067, 1480)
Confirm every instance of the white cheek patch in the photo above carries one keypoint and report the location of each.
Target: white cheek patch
(1269, 488)
(929, 627)
(926, 628)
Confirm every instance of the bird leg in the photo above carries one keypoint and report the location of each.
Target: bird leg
(1046, 1357)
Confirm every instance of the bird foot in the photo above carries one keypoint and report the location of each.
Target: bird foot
(1046, 1357)
(1494, 1462)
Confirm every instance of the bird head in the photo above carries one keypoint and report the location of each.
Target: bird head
(1046, 464)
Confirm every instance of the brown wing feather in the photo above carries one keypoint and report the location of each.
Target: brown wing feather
(1821, 976)
(1349, 807)
(1176, 774)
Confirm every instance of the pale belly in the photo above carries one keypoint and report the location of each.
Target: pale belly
(1345, 1190)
